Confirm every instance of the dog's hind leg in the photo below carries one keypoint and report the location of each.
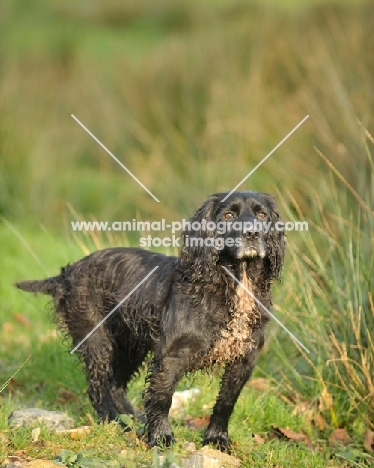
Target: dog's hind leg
(123, 404)
(97, 353)
(233, 380)
(125, 365)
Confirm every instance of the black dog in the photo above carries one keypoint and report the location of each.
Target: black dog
(190, 313)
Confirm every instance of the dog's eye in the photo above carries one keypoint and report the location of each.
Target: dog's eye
(228, 215)
(261, 215)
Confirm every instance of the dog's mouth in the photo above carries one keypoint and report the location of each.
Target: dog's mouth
(251, 251)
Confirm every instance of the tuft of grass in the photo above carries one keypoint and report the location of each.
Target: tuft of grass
(329, 304)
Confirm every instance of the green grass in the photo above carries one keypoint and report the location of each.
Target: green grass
(334, 380)
(34, 386)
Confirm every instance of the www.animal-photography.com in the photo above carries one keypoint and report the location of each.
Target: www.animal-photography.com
(186, 190)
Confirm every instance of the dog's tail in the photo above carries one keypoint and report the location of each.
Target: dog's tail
(46, 286)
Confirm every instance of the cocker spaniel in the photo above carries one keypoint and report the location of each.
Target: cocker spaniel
(190, 313)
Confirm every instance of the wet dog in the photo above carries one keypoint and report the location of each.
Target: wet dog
(189, 314)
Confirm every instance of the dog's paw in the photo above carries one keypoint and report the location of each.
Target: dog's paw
(163, 441)
(160, 433)
(221, 441)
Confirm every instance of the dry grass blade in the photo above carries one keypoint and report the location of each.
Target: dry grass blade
(344, 181)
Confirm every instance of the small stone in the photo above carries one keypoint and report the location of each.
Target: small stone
(54, 420)
(189, 447)
(180, 400)
(210, 458)
(35, 433)
(198, 460)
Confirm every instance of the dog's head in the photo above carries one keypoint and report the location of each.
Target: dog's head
(239, 227)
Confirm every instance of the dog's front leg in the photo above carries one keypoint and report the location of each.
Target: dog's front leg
(165, 374)
(233, 380)
(158, 397)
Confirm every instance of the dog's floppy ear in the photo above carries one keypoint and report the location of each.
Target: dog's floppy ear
(198, 242)
(275, 240)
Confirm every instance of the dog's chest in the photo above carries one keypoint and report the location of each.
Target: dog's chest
(236, 339)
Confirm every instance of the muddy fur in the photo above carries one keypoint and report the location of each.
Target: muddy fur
(190, 314)
(235, 339)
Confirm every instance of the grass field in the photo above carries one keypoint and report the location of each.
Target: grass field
(191, 96)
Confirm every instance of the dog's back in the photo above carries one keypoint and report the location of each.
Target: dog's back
(85, 292)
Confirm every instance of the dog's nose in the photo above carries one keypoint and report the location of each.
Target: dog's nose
(252, 235)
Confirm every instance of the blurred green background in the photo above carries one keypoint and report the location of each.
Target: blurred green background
(190, 96)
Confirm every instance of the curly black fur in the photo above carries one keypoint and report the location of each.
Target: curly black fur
(189, 313)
